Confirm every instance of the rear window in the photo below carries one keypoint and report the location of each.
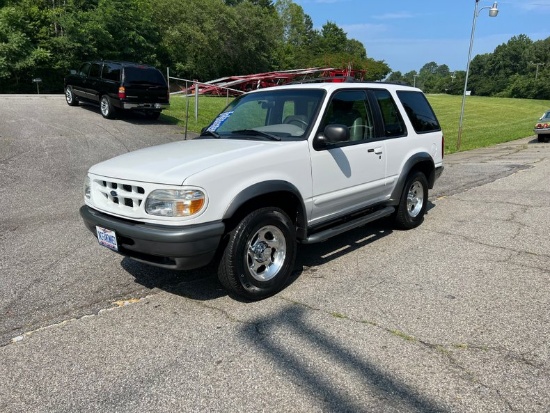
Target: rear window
(143, 74)
(419, 111)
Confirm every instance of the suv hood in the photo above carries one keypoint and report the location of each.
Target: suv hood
(172, 163)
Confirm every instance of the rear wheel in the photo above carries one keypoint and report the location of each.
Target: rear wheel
(70, 97)
(543, 138)
(259, 256)
(107, 109)
(413, 202)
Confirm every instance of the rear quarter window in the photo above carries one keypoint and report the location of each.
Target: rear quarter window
(394, 126)
(419, 111)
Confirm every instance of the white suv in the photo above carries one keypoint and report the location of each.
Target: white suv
(279, 166)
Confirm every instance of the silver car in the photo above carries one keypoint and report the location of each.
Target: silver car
(542, 127)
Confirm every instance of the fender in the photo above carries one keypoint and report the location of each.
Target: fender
(428, 168)
(266, 188)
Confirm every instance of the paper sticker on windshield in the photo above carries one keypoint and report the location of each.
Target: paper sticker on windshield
(219, 121)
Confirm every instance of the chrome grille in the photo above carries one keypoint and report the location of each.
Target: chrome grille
(119, 195)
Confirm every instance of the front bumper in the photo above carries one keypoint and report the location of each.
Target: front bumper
(180, 248)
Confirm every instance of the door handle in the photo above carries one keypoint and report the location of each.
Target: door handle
(377, 151)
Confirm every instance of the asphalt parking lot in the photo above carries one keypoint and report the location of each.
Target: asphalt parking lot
(450, 317)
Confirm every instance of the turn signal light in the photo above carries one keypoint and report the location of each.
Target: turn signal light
(122, 92)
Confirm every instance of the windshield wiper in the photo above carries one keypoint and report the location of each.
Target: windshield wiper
(254, 132)
(210, 133)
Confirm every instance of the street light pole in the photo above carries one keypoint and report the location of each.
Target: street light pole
(493, 12)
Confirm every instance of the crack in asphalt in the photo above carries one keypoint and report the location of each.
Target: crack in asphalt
(448, 351)
(114, 305)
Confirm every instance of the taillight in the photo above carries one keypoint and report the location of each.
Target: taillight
(122, 92)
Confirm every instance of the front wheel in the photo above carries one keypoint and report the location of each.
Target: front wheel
(70, 97)
(259, 256)
(107, 109)
(413, 202)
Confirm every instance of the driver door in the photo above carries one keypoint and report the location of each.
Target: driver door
(349, 175)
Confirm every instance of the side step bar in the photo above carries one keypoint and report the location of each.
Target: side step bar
(346, 226)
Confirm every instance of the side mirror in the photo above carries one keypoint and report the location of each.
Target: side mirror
(336, 133)
(332, 135)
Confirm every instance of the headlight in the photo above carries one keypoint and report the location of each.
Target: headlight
(175, 202)
(87, 188)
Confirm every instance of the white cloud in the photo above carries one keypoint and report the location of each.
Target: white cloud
(364, 29)
(542, 6)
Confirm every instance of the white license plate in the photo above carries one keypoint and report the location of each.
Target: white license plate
(107, 238)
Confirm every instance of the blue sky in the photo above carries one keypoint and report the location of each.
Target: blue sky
(407, 34)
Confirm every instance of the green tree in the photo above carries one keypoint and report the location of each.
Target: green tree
(237, 39)
(333, 39)
(299, 42)
(395, 77)
(22, 40)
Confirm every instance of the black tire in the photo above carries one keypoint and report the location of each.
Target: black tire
(259, 256)
(413, 203)
(543, 138)
(106, 108)
(70, 97)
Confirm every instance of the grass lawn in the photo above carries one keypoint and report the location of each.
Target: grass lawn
(487, 121)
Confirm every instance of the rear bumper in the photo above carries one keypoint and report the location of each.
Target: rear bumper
(542, 131)
(145, 106)
(180, 248)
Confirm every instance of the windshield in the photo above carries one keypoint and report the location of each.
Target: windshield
(268, 115)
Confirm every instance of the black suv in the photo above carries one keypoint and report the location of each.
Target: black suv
(118, 86)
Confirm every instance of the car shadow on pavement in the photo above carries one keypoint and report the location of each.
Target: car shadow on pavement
(134, 117)
(202, 284)
(383, 390)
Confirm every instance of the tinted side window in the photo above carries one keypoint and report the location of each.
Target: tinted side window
(419, 111)
(350, 108)
(142, 74)
(83, 71)
(111, 71)
(95, 70)
(393, 122)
